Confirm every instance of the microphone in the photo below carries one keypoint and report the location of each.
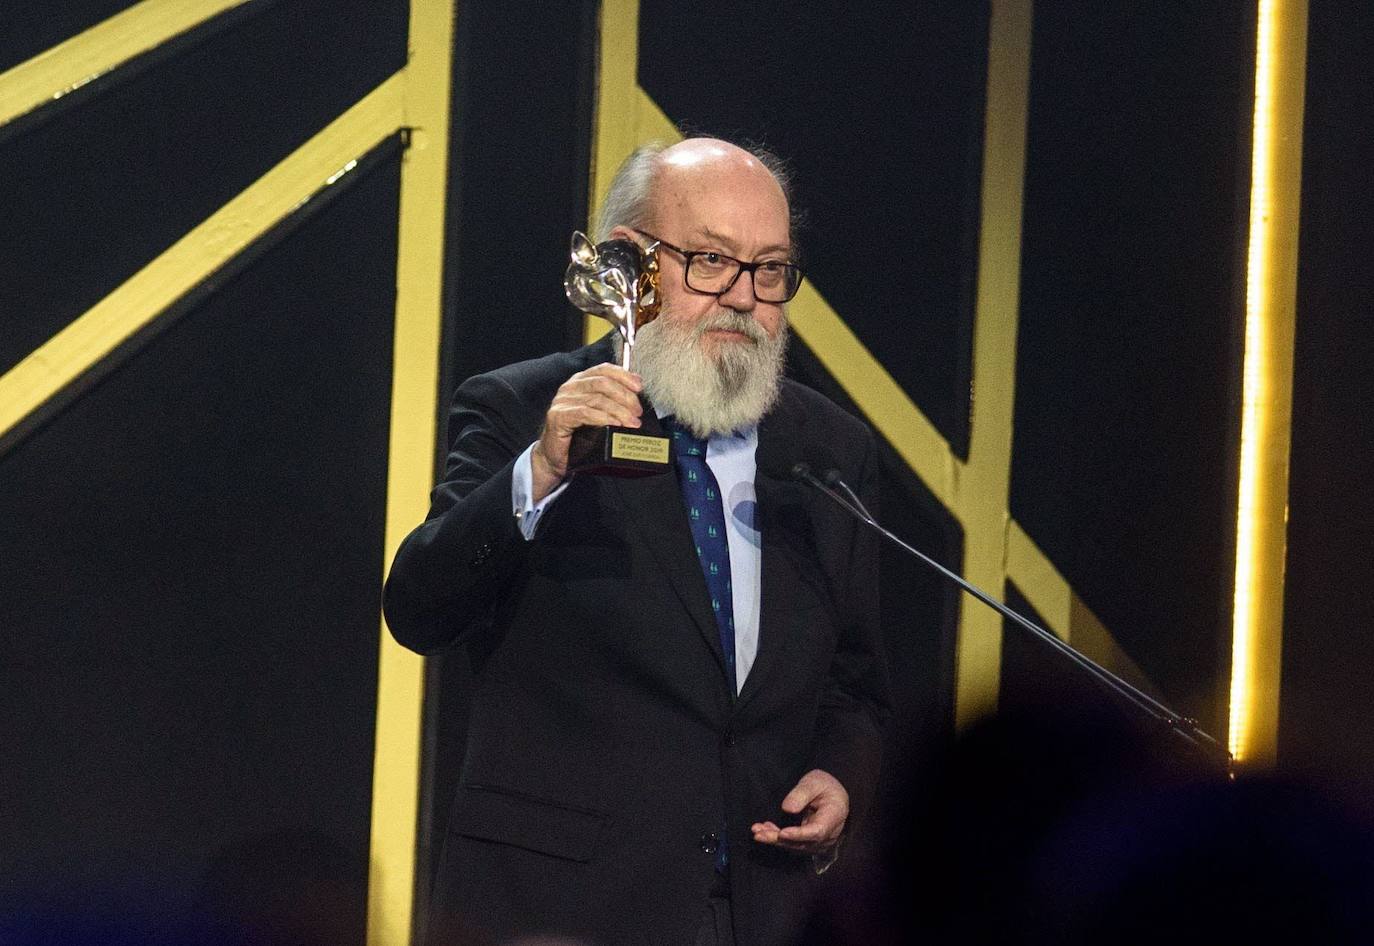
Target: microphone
(830, 479)
(815, 465)
(789, 463)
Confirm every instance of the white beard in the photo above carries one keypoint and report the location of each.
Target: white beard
(710, 395)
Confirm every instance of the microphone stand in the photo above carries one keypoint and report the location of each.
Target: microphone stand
(1183, 727)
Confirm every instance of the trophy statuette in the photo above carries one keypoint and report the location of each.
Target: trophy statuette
(617, 281)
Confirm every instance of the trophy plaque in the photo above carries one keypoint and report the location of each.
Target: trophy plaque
(617, 281)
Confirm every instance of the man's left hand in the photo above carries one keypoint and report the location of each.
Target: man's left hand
(823, 804)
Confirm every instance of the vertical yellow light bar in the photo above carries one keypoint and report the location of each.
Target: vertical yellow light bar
(983, 484)
(617, 93)
(1266, 406)
(414, 403)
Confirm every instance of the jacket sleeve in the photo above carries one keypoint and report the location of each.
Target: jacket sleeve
(447, 573)
(855, 705)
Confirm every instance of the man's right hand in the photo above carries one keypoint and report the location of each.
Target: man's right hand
(606, 395)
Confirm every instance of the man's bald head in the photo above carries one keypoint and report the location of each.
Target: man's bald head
(710, 155)
(629, 201)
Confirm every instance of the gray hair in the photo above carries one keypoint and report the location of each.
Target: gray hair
(629, 197)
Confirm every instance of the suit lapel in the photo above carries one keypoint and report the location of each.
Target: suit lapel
(658, 519)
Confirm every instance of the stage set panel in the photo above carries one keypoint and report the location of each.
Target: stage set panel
(216, 419)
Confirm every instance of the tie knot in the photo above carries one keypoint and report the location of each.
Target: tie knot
(685, 443)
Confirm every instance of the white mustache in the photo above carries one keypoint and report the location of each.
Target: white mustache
(730, 320)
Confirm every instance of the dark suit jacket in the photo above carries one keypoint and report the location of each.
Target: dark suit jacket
(604, 743)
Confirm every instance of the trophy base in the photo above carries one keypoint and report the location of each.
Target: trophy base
(621, 451)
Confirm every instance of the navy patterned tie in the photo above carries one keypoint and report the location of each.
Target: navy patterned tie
(706, 514)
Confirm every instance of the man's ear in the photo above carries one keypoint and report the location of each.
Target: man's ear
(620, 232)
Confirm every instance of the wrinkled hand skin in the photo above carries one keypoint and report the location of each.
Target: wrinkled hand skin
(823, 804)
(603, 396)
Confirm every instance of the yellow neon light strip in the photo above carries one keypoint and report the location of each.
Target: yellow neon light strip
(984, 483)
(414, 410)
(1266, 406)
(100, 50)
(148, 293)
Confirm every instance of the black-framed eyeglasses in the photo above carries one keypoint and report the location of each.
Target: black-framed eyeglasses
(713, 273)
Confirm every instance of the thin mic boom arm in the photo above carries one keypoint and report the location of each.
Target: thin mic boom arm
(832, 478)
(1181, 726)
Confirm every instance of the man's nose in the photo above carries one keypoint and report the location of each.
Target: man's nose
(740, 296)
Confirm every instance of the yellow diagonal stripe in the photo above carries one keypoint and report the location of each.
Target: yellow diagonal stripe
(100, 50)
(203, 251)
(887, 407)
(1042, 584)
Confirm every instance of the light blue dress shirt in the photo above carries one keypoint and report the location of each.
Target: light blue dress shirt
(732, 460)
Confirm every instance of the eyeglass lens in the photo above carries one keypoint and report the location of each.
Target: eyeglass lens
(773, 281)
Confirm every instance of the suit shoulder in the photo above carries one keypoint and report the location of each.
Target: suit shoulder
(510, 401)
(815, 408)
(536, 378)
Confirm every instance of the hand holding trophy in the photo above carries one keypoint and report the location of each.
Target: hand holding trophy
(617, 281)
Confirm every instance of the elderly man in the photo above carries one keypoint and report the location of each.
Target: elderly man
(674, 718)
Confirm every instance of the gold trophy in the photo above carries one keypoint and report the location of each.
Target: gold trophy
(617, 281)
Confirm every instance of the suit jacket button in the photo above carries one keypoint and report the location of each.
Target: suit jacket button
(480, 557)
(710, 843)
(729, 738)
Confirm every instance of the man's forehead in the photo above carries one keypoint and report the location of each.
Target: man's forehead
(725, 225)
(722, 237)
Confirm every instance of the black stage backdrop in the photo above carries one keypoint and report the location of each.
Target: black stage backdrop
(1326, 717)
(192, 551)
